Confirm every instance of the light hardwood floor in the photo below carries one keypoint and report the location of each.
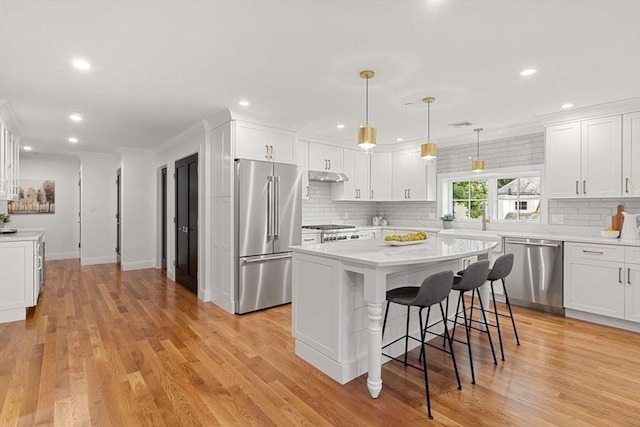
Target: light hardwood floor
(105, 347)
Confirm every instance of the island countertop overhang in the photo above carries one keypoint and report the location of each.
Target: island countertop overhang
(377, 253)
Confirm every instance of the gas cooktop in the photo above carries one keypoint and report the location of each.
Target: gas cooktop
(327, 227)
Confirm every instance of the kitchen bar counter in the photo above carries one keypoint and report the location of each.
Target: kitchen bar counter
(339, 290)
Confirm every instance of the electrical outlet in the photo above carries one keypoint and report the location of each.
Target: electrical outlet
(557, 219)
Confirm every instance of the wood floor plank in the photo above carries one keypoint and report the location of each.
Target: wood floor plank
(111, 348)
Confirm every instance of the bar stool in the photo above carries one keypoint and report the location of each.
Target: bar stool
(501, 269)
(433, 290)
(474, 276)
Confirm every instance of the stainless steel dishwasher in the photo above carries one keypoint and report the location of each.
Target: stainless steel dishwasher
(536, 278)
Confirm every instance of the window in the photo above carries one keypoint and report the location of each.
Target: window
(508, 194)
(469, 198)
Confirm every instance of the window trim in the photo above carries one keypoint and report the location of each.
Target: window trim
(491, 175)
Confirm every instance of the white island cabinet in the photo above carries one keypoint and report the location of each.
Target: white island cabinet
(21, 273)
(338, 294)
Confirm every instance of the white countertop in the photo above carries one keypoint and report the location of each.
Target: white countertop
(22, 235)
(380, 254)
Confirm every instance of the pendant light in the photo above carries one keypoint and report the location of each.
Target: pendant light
(477, 165)
(367, 132)
(428, 149)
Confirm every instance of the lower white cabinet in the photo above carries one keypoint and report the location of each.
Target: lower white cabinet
(21, 267)
(602, 279)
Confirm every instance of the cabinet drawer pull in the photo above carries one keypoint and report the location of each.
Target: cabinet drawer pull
(619, 274)
(593, 252)
(629, 276)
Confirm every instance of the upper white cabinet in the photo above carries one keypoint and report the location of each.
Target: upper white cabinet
(409, 179)
(583, 158)
(258, 142)
(303, 164)
(356, 167)
(380, 172)
(325, 157)
(631, 155)
(9, 161)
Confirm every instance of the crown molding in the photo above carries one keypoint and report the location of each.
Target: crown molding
(608, 108)
(11, 120)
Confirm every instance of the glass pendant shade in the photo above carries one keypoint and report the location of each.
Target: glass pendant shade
(367, 136)
(367, 132)
(477, 165)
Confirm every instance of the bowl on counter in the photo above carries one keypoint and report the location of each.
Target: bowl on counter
(609, 234)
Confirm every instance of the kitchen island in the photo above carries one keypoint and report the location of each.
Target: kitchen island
(338, 294)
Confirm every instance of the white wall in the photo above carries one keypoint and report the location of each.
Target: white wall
(98, 206)
(62, 233)
(138, 209)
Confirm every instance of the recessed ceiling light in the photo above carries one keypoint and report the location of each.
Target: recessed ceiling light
(81, 64)
(73, 140)
(244, 103)
(528, 72)
(567, 105)
(340, 126)
(399, 139)
(27, 148)
(75, 117)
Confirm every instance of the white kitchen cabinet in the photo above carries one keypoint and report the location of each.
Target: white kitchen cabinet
(324, 157)
(303, 164)
(409, 180)
(632, 284)
(631, 155)
(380, 166)
(310, 238)
(602, 279)
(21, 264)
(584, 158)
(356, 167)
(9, 156)
(258, 142)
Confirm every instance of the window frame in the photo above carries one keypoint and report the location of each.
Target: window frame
(445, 196)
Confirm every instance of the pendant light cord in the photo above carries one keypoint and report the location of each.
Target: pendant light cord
(478, 145)
(366, 117)
(429, 122)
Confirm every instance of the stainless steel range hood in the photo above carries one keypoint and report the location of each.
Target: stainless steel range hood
(327, 176)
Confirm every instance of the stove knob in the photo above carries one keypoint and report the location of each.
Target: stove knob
(342, 237)
(355, 236)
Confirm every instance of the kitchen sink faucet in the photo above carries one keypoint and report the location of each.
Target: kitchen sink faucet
(484, 218)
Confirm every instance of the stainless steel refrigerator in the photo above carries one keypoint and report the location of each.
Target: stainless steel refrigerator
(268, 213)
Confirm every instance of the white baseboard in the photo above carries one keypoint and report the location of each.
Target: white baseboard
(138, 265)
(62, 255)
(97, 260)
(13, 315)
(603, 320)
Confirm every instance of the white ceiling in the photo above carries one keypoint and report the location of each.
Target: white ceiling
(160, 66)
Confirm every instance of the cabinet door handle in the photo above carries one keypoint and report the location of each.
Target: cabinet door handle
(371, 194)
(577, 183)
(271, 155)
(629, 276)
(267, 155)
(626, 185)
(592, 252)
(619, 274)
(307, 192)
(409, 193)
(584, 186)
(329, 164)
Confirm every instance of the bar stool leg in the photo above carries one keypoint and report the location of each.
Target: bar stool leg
(424, 330)
(495, 361)
(506, 297)
(448, 338)
(406, 336)
(495, 312)
(386, 313)
(471, 310)
(424, 362)
(455, 317)
(466, 329)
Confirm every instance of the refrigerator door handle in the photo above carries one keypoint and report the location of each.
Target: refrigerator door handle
(262, 258)
(276, 207)
(269, 207)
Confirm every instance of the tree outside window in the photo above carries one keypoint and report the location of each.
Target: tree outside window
(469, 198)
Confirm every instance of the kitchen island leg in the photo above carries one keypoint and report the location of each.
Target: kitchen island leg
(375, 291)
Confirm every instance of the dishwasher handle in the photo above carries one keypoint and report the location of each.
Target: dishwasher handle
(538, 245)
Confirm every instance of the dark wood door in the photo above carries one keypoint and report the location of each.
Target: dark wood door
(186, 176)
(118, 239)
(164, 216)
